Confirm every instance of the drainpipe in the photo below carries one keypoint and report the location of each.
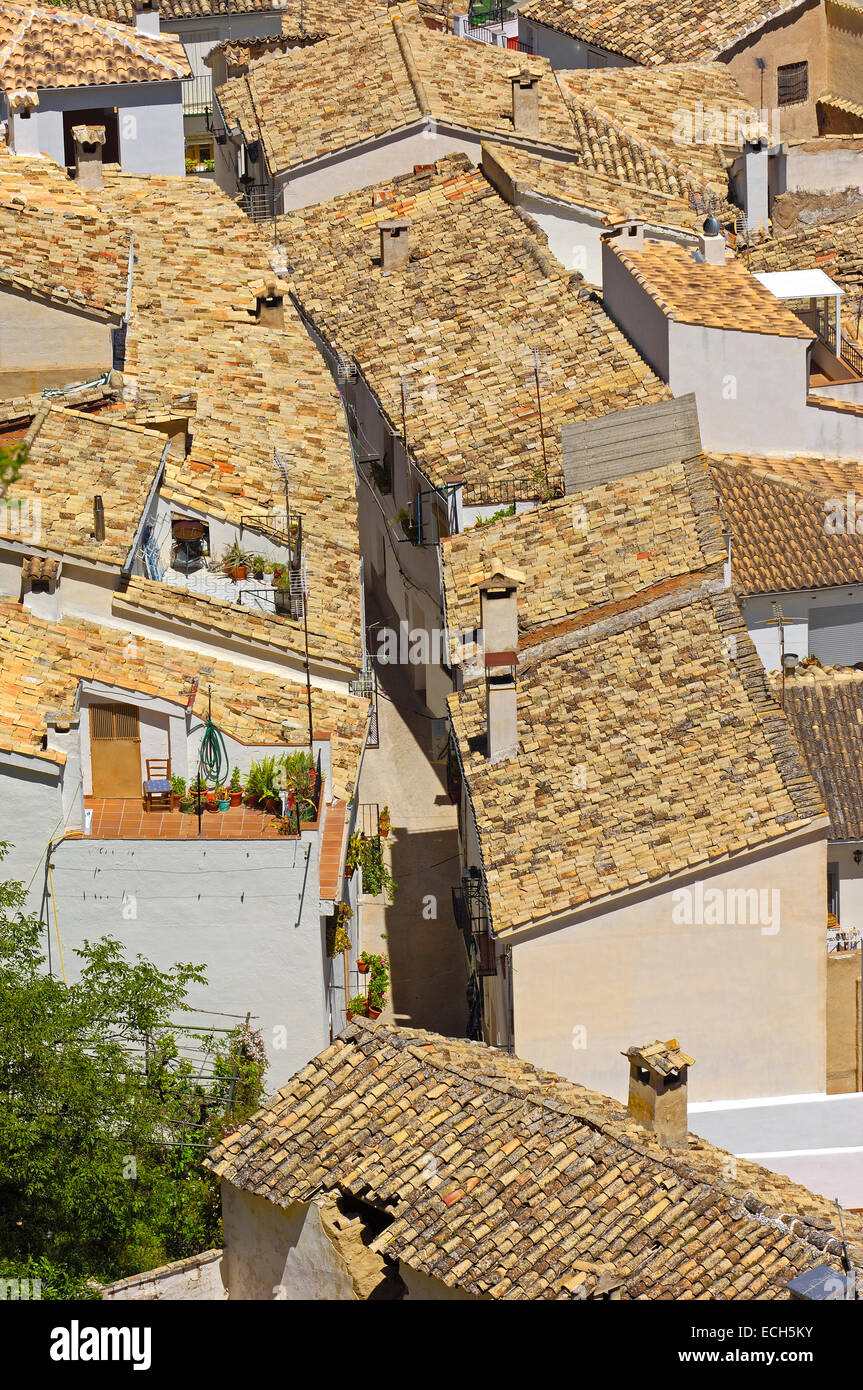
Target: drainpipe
(58, 840)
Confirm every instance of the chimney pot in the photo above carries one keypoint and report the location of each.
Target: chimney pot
(395, 246)
(98, 518)
(525, 101)
(658, 1085)
(711, 243)
(89, 140)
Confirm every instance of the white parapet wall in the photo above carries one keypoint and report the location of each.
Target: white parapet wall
(198, 1277)
(816, 1140)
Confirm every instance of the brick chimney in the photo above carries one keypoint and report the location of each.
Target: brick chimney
(525, 101)
(147, 16)
(89, 140)
(711, 243)
(658, 1083)
(498, 606)
(395, 248)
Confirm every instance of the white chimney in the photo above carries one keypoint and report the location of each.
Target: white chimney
(711, 243)
(756, 160)
(147, 16)
(23, 136)
(498, 604)
(89, 140)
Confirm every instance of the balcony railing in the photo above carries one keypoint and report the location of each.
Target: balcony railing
(469, 912)
(198, 95)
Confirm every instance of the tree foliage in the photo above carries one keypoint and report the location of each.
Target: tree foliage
(104, 1117)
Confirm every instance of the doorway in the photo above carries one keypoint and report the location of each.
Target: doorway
(115, 751)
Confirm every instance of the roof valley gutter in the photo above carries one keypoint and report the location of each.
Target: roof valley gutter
(157, 482)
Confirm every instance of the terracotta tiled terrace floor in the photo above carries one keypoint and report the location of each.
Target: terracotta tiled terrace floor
(127, 820)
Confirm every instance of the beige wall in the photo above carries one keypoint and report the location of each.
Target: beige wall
(41, 346)
(798, 37)
(844, 58)
(844, 1023)
(747, 1003)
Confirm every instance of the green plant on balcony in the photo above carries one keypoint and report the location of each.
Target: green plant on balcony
(495, 516)
(408, 525)
(262, 783)
(376, 876)
(352, 858)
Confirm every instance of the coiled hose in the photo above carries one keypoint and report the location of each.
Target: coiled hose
(213, 757)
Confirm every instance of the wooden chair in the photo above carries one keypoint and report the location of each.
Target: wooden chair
(157, 788)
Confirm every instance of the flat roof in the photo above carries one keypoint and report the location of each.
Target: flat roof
(798, 284)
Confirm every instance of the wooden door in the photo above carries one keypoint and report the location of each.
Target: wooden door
(115, 751)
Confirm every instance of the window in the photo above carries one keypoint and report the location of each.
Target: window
(793, 83)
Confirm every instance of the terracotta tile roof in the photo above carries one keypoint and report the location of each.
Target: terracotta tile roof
(669, 31)
(41, 665)
(459, 322)
(825, 710)
(193, 352)
(146, 598)
(123, 11)
(541, 1189)
(777, 510)
(38, 568)
(852, 108)
(602, 546)
(717, 296)
(569, 181)
(54, 47)
(56, 246)
(379, 77)
(684, 752)
(74, 457)
(649, 102)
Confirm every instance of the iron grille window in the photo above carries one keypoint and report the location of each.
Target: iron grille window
(793, 83)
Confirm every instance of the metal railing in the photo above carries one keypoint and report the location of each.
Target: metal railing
(471, 920)
(848, 352)
(198, 95)
(257, 201)
(505, 493)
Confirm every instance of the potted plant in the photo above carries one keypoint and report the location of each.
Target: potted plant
(408, 525)
(178, 789)
(235, 788)
(356, 1006)
(352, 858)
(384, 822)
(222, 797)
(235, 562)
(257, 566)
(376, 876)
(364, 963)
(282, 595)
(379, 981)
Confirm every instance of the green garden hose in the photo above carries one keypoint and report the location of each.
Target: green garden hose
(213, 757)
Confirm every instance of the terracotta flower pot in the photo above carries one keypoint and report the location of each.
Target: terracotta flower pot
(372, 1013)
(236, 798)
(362, 966)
